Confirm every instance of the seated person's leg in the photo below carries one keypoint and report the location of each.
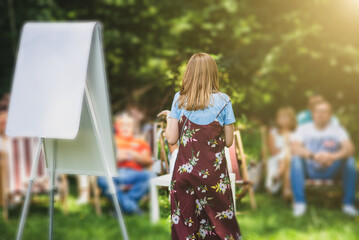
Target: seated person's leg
(102, 183)
(141, 185)
(128, 205)
(348, 173)
(131, 176)
(349, 181)
(272, 170)
(84, 189)
(297, 176)
(329, 172)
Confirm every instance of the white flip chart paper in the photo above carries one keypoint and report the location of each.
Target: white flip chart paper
(55, 63)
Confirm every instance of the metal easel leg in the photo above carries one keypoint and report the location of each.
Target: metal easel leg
(51, 208)
(35, 163)
(105, 164)
(119, 216)
(52, 192)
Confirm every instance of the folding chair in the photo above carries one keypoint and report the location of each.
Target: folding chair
(160, 139)
(93, 190)
(328, 187)
(239, 163)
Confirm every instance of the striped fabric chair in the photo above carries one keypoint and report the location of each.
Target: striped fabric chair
(20, 152)
(15, 168)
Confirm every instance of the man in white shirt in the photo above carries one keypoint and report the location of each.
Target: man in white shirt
(322, 150)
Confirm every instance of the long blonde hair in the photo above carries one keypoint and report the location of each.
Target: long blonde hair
(199, 81)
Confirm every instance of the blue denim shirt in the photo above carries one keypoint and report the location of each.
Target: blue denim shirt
(208, 115)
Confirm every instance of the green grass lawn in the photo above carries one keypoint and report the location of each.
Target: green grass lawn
(272, 220)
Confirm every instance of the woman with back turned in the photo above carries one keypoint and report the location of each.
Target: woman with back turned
(201, 118)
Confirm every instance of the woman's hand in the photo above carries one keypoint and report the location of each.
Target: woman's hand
(171, 132)
(164, 113)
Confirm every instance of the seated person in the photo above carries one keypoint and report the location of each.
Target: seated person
(279, 144)
(133, 161)
(305, 116)
(322, 150)
(83, 182)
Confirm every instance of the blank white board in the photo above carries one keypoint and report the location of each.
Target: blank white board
(55, 62)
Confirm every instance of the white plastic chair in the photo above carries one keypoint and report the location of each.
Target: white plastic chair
(165, 180)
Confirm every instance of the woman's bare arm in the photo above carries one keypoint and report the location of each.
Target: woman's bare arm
(172, 131)
(228, 134)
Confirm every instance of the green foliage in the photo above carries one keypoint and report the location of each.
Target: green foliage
(269, 53)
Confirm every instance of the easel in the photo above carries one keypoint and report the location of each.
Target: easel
(52, 180)
(88, 101)
(18, 152)
(4, 177)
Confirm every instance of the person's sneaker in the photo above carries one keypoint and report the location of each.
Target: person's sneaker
(350, 210)
(299, 209)
(82, 200)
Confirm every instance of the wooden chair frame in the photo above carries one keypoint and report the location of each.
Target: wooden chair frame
(246, 184)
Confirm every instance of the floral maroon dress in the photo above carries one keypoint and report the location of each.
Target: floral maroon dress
(200, 191)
